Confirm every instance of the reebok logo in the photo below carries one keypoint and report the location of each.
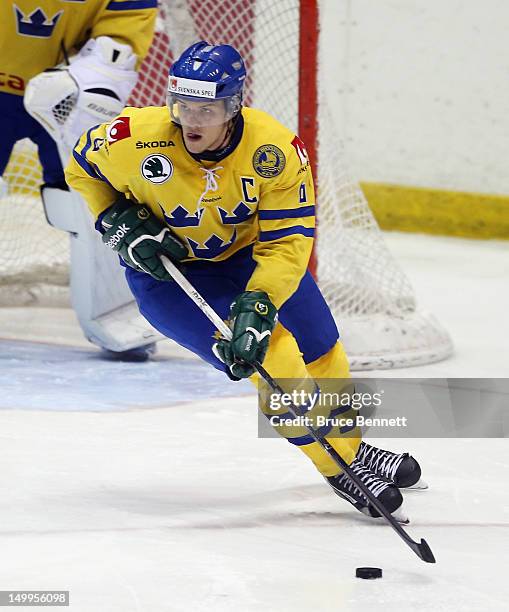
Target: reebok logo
(117, 236)
(249, 342)
(259, 336)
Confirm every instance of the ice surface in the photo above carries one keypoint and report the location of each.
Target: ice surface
(183, 508)
(144, 487)
(40, 376)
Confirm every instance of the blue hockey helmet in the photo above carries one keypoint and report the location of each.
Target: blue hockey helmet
(204, 73)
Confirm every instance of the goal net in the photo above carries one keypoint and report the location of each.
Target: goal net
(370, 296)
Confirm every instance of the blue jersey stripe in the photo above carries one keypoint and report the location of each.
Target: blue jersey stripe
(309, 232)
(290, 213)
(88, 142)
(131, 5)
(339, 410)
(85, 165)
(102, 177)
(81, 156)
(308, 439)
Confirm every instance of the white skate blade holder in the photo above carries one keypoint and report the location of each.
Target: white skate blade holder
(399, 515)
(420, 485)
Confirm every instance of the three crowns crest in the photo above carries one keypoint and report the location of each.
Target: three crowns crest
(36, 23)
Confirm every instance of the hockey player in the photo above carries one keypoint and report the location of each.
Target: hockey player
(49, 102)
(228, 194)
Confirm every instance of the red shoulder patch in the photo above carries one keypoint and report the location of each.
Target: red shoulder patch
(118, 130)
(300, 147)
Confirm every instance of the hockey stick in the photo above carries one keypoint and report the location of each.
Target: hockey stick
(421, 549)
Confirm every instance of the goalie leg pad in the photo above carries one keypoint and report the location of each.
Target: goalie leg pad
(61, 209)
(103, 303)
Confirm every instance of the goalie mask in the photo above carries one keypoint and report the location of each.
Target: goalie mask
(205, 85)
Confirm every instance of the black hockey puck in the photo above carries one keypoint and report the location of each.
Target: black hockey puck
(368, 572)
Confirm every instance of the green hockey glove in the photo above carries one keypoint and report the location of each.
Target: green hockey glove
(140, 238)
(252, 319)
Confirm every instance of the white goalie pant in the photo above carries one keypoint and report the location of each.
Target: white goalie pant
(100, 296)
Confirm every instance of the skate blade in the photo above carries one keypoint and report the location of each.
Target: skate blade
(420, 485)
(398, 514)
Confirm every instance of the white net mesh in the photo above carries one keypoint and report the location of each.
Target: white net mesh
(34, 259)
(371, 298)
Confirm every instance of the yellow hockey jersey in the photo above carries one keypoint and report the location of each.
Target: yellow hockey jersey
(35, 32)
(261, 193)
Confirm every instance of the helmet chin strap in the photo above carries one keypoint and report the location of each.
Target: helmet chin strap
(227, 135)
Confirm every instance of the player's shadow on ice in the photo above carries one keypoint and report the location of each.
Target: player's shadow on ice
(200, 509)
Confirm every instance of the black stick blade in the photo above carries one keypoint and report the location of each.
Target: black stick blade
(424, 551)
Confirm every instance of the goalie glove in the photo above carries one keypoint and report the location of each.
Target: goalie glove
(68, 100)
(252, 319)
(140, 237)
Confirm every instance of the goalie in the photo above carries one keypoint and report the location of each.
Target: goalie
(228, 194)
(67, 66)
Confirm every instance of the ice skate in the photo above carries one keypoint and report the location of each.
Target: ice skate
(399, 468)
(385, 491)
